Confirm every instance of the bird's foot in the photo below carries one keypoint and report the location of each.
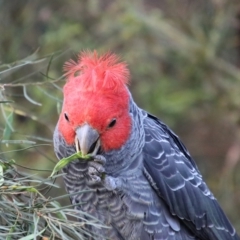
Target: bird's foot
(96, 170)
(97, 174)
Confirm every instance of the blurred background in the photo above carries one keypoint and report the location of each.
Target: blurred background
(184, 58)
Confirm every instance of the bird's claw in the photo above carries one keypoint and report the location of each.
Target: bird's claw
(96, 171)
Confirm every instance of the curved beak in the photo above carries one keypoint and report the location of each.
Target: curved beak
(87, 140)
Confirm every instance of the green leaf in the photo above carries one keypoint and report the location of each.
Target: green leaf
(32, 236)
(8, 128)
(60, 214)
(65, 161)
(17, 142)
(1, 175)
(6, 101)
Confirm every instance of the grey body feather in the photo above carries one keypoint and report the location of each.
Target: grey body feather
(152, 191)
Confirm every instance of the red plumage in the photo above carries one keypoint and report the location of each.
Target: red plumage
(95, 93)
(93, 72)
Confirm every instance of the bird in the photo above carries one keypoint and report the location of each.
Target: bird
(140, 181)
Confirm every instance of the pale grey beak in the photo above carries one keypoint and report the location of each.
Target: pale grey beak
(87, 140)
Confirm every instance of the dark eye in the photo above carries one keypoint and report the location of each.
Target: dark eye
(66, 117)
(112, 123)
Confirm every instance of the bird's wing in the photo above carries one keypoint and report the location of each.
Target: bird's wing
(174, 175)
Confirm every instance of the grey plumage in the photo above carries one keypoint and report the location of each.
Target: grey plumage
(153, 189)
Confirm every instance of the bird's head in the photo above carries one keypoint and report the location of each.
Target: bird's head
(95, 109)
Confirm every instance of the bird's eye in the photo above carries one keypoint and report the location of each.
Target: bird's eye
(112, 123)
(66, 117)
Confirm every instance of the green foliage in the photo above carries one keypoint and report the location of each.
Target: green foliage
(65, 161)
(27, 214)
(184, 62)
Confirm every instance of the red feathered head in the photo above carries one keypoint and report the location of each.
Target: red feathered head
(96, 94)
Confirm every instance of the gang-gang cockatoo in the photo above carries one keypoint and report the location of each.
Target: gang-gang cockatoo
(143, 182)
